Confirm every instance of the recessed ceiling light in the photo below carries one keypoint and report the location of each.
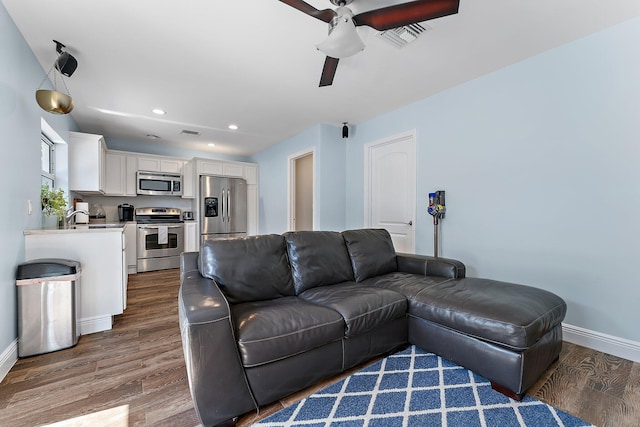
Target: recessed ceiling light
(233, 127)
(211, 145)
(159, 111)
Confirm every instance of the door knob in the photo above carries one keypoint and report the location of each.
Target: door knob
(410, 223)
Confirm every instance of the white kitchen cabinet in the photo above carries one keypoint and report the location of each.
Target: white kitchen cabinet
(233, 169)
(101, 255)
(251, 174)
(115, 170)
(159, 164)
(188, 180)
(130, 230)
(124, 272)
(208, 167)
(191, 236)
(130, 176)
(87, 163)
(247, 171)
(120, 173)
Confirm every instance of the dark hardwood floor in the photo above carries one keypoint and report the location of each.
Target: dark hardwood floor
(134, 375)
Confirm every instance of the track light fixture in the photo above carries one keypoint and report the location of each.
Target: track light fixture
(53, 101)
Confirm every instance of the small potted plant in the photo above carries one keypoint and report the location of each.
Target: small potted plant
(53, 202)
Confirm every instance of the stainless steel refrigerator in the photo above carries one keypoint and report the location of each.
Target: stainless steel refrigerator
(223, 207)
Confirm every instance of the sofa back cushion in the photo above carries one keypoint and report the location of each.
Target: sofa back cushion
(317, 258)
(371, 252)
(249, 269)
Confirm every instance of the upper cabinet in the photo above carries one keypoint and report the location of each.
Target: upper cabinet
(233, 169)
(251, 174)
(159, 164)
(188, 180)
(221, 168)
(95, 170)
(87, 163)
(208, 167)
(120, 174)
(115, 170)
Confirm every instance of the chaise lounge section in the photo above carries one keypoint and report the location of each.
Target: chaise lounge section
(266, 316)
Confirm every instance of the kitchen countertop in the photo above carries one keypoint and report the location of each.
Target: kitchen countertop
(82, 228)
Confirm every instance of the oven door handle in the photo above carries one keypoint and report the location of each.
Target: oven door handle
(155, 227)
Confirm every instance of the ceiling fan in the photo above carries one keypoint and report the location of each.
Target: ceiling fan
(343, 40)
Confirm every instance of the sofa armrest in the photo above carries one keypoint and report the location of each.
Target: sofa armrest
(430, 266)
(188, 263)
(216, 376)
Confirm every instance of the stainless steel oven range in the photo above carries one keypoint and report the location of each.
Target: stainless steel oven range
(160, 238)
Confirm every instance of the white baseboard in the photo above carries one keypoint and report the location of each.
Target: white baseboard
(8, 358)
(620, 347)
(90, 325)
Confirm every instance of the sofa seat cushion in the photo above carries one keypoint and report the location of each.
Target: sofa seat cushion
(407, 284)
(318, 258)
(249, 269)
(267, 331)
(363, 308)
(371, 252)
(515, 316)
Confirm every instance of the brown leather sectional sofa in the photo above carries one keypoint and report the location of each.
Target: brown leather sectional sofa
(266, 316)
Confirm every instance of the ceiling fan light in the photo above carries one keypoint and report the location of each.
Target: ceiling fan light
(343, 40)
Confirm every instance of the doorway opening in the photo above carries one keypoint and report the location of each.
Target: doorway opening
(301, 191)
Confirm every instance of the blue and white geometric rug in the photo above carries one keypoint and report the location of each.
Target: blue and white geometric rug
(414, 388)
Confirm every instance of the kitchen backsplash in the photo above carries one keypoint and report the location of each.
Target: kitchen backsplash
(110, 204)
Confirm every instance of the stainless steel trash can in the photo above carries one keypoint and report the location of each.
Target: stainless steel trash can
(48, 295)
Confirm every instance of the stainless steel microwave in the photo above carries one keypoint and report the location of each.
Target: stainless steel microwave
(159, 184)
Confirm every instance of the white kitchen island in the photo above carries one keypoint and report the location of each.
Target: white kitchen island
(101, 252)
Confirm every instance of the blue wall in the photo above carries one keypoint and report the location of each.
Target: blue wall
(20, 121)
(541, 165)
(329, 178)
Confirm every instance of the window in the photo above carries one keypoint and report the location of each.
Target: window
(47, 161)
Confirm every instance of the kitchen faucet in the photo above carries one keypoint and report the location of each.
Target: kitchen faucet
(71, 213)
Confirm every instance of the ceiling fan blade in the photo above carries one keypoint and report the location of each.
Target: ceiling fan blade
(328, 71)
(325, 15)
(406, 13)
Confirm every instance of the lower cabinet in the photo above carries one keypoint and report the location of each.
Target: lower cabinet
(102, 259)
(191, 236)
(130, 231)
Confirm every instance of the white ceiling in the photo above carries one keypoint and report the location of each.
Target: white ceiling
(254, 63)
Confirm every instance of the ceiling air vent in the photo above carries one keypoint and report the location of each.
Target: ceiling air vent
(190, 132)
(402, 36)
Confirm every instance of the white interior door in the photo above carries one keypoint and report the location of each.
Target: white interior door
(390, 188)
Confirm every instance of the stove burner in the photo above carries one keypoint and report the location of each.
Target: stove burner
(158, 215)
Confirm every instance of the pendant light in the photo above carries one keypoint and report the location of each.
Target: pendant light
(54, 101)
